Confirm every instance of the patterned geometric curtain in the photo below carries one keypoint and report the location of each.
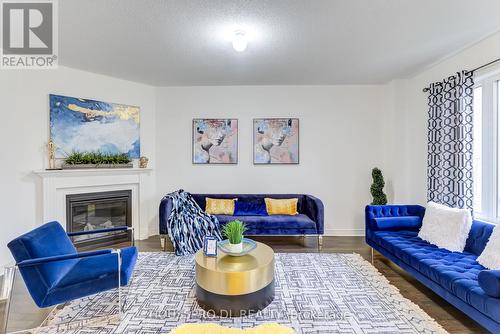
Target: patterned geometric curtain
(449, 158)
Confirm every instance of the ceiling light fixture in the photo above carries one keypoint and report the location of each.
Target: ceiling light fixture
(240, 41)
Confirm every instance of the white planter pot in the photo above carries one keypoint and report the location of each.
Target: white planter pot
(235, 248)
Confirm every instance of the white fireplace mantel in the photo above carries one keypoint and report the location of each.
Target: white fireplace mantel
(94, 171)
(59, 183)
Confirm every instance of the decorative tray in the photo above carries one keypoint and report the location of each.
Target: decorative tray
(248, 246)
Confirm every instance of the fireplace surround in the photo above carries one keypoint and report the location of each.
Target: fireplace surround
(55, 185)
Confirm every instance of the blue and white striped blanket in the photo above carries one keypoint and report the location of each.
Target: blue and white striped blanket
(188, 224)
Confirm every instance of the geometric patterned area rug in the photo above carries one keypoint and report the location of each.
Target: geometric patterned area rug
(315, 293)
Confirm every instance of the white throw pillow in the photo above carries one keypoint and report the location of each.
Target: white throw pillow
(490, 257)
(446, 227)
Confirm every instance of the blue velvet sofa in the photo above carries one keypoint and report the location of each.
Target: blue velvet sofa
(392, 230)
(309, 221)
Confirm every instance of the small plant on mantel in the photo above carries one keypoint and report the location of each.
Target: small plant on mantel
(97, 160)
(233, 231)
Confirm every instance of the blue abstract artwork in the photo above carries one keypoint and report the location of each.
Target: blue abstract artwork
(82, 125)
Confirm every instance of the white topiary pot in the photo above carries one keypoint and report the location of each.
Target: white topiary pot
(235, 248)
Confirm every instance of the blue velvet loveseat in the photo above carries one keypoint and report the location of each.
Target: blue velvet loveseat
(392, 230)
(309, 221)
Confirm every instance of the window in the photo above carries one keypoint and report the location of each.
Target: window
(487, 147)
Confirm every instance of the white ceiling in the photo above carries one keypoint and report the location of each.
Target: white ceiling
(293, 42)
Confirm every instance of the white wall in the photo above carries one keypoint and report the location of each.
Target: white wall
(341, 140)
(25, 131)
(408, 144)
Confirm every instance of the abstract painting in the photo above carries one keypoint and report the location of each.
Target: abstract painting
(276, 141)
(215, 141)
(82, 125)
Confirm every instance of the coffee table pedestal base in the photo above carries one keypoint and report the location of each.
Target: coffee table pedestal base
(235, 306)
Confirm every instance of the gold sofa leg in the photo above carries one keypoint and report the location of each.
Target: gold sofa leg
(320, 243)
(372, 253)
(163, 242)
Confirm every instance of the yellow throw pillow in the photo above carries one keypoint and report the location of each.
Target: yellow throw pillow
(217, 329)
(217, 206)
(281, 206)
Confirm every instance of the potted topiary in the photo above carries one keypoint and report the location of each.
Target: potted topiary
(233, 231)
(377, 188)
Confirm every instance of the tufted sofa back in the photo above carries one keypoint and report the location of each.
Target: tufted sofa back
(373, 211)
(387, 211)
(478, 237)
(201, 198)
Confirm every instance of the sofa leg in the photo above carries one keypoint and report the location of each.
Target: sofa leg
(371, 254)
(320, 243)
(163, 242)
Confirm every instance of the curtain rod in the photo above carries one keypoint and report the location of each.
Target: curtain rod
(426, 89)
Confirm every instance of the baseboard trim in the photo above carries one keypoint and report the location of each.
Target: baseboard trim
(335, 232)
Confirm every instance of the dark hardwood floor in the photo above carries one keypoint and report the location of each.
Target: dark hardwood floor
(453, 320)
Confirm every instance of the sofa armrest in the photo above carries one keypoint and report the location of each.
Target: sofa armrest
(489, 281)
(57, 258)
(165, 210)
(314, 209)
(394, 217)
(101, 230)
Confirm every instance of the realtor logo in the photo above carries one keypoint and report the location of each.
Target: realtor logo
(29, 34)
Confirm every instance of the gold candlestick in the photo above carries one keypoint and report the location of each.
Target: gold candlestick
(51, 149)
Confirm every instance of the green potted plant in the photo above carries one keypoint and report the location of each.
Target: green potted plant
(233, 231)
(78, 160)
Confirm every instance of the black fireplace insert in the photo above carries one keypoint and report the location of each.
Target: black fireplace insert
(94, 211)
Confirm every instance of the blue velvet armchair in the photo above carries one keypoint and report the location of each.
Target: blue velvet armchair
(54, 272)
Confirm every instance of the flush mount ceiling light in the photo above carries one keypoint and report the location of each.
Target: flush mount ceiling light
(240, 41)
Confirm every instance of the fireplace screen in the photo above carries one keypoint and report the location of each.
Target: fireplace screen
(95, 211)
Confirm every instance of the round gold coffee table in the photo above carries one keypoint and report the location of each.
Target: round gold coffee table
(235, 286)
